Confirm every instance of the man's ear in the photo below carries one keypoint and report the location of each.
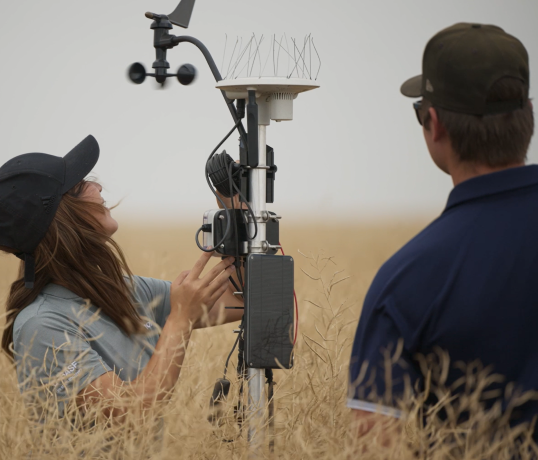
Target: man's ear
(436, 127)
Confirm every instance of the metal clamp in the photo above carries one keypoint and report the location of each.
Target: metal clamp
(265, 246)
(262, 218)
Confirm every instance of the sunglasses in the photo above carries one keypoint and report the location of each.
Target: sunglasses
(418, 107)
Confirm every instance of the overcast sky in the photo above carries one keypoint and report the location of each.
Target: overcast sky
(354, 150)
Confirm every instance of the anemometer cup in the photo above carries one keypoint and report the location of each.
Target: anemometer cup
(186, 74)
(137, 73)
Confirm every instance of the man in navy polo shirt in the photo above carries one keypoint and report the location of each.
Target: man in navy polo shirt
(468, 283)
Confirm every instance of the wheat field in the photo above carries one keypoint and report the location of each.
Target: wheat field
(334, 267)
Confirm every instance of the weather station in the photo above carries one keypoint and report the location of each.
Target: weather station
(265, 280)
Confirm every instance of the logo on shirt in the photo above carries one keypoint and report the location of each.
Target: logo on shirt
(69, 370)
(148, 325)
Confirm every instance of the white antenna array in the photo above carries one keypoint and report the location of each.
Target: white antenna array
(284, 57)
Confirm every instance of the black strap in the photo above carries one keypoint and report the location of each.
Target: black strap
(29, 269)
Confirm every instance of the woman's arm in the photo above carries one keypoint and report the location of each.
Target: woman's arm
(189, 294)
(153, 383)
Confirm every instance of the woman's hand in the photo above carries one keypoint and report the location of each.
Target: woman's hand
(192, 296)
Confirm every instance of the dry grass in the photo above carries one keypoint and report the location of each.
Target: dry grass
(312, 421)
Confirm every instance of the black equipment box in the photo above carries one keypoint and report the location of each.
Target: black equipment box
(230, 248)
(269, 324)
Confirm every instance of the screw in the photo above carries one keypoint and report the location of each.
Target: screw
(222, 246)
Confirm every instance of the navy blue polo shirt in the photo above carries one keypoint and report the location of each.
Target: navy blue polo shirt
(467, 284)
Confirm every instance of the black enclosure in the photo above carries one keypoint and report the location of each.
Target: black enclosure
(269, 311)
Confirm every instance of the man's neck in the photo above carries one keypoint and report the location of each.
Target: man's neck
(463, 171)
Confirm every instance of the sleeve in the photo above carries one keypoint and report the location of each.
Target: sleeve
(52, 352)
(382, 371)
(155, 294)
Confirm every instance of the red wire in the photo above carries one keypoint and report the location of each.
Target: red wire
(296, 307)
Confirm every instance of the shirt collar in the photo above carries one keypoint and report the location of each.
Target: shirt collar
(493, 183)
(59, 291)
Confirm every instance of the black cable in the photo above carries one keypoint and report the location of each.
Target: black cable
(230, 179)
(240, 277)
(236, 232)
(271, 405)
(216, 195)
(242, 375)
(250, 211)
(218, 173)
(215, 71)
(233, 348)
(237, 288)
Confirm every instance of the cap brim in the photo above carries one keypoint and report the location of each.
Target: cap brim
(412, 87)
(80, 161)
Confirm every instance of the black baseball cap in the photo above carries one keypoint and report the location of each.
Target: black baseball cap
(462, 62)
(31, 187)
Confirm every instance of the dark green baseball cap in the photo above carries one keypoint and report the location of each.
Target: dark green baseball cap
(462, 62)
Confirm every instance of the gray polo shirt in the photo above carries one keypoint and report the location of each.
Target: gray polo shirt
(61, 340)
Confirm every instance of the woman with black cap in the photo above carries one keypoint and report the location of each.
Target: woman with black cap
(78, 321)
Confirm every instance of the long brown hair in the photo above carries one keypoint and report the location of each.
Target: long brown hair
(77, 253)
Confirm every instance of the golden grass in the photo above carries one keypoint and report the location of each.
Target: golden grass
(311, 420)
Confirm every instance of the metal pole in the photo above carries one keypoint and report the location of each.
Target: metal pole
(256, 384)
(258, 180)
(256, 412)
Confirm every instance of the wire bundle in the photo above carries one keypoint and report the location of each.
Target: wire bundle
(217, 169)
